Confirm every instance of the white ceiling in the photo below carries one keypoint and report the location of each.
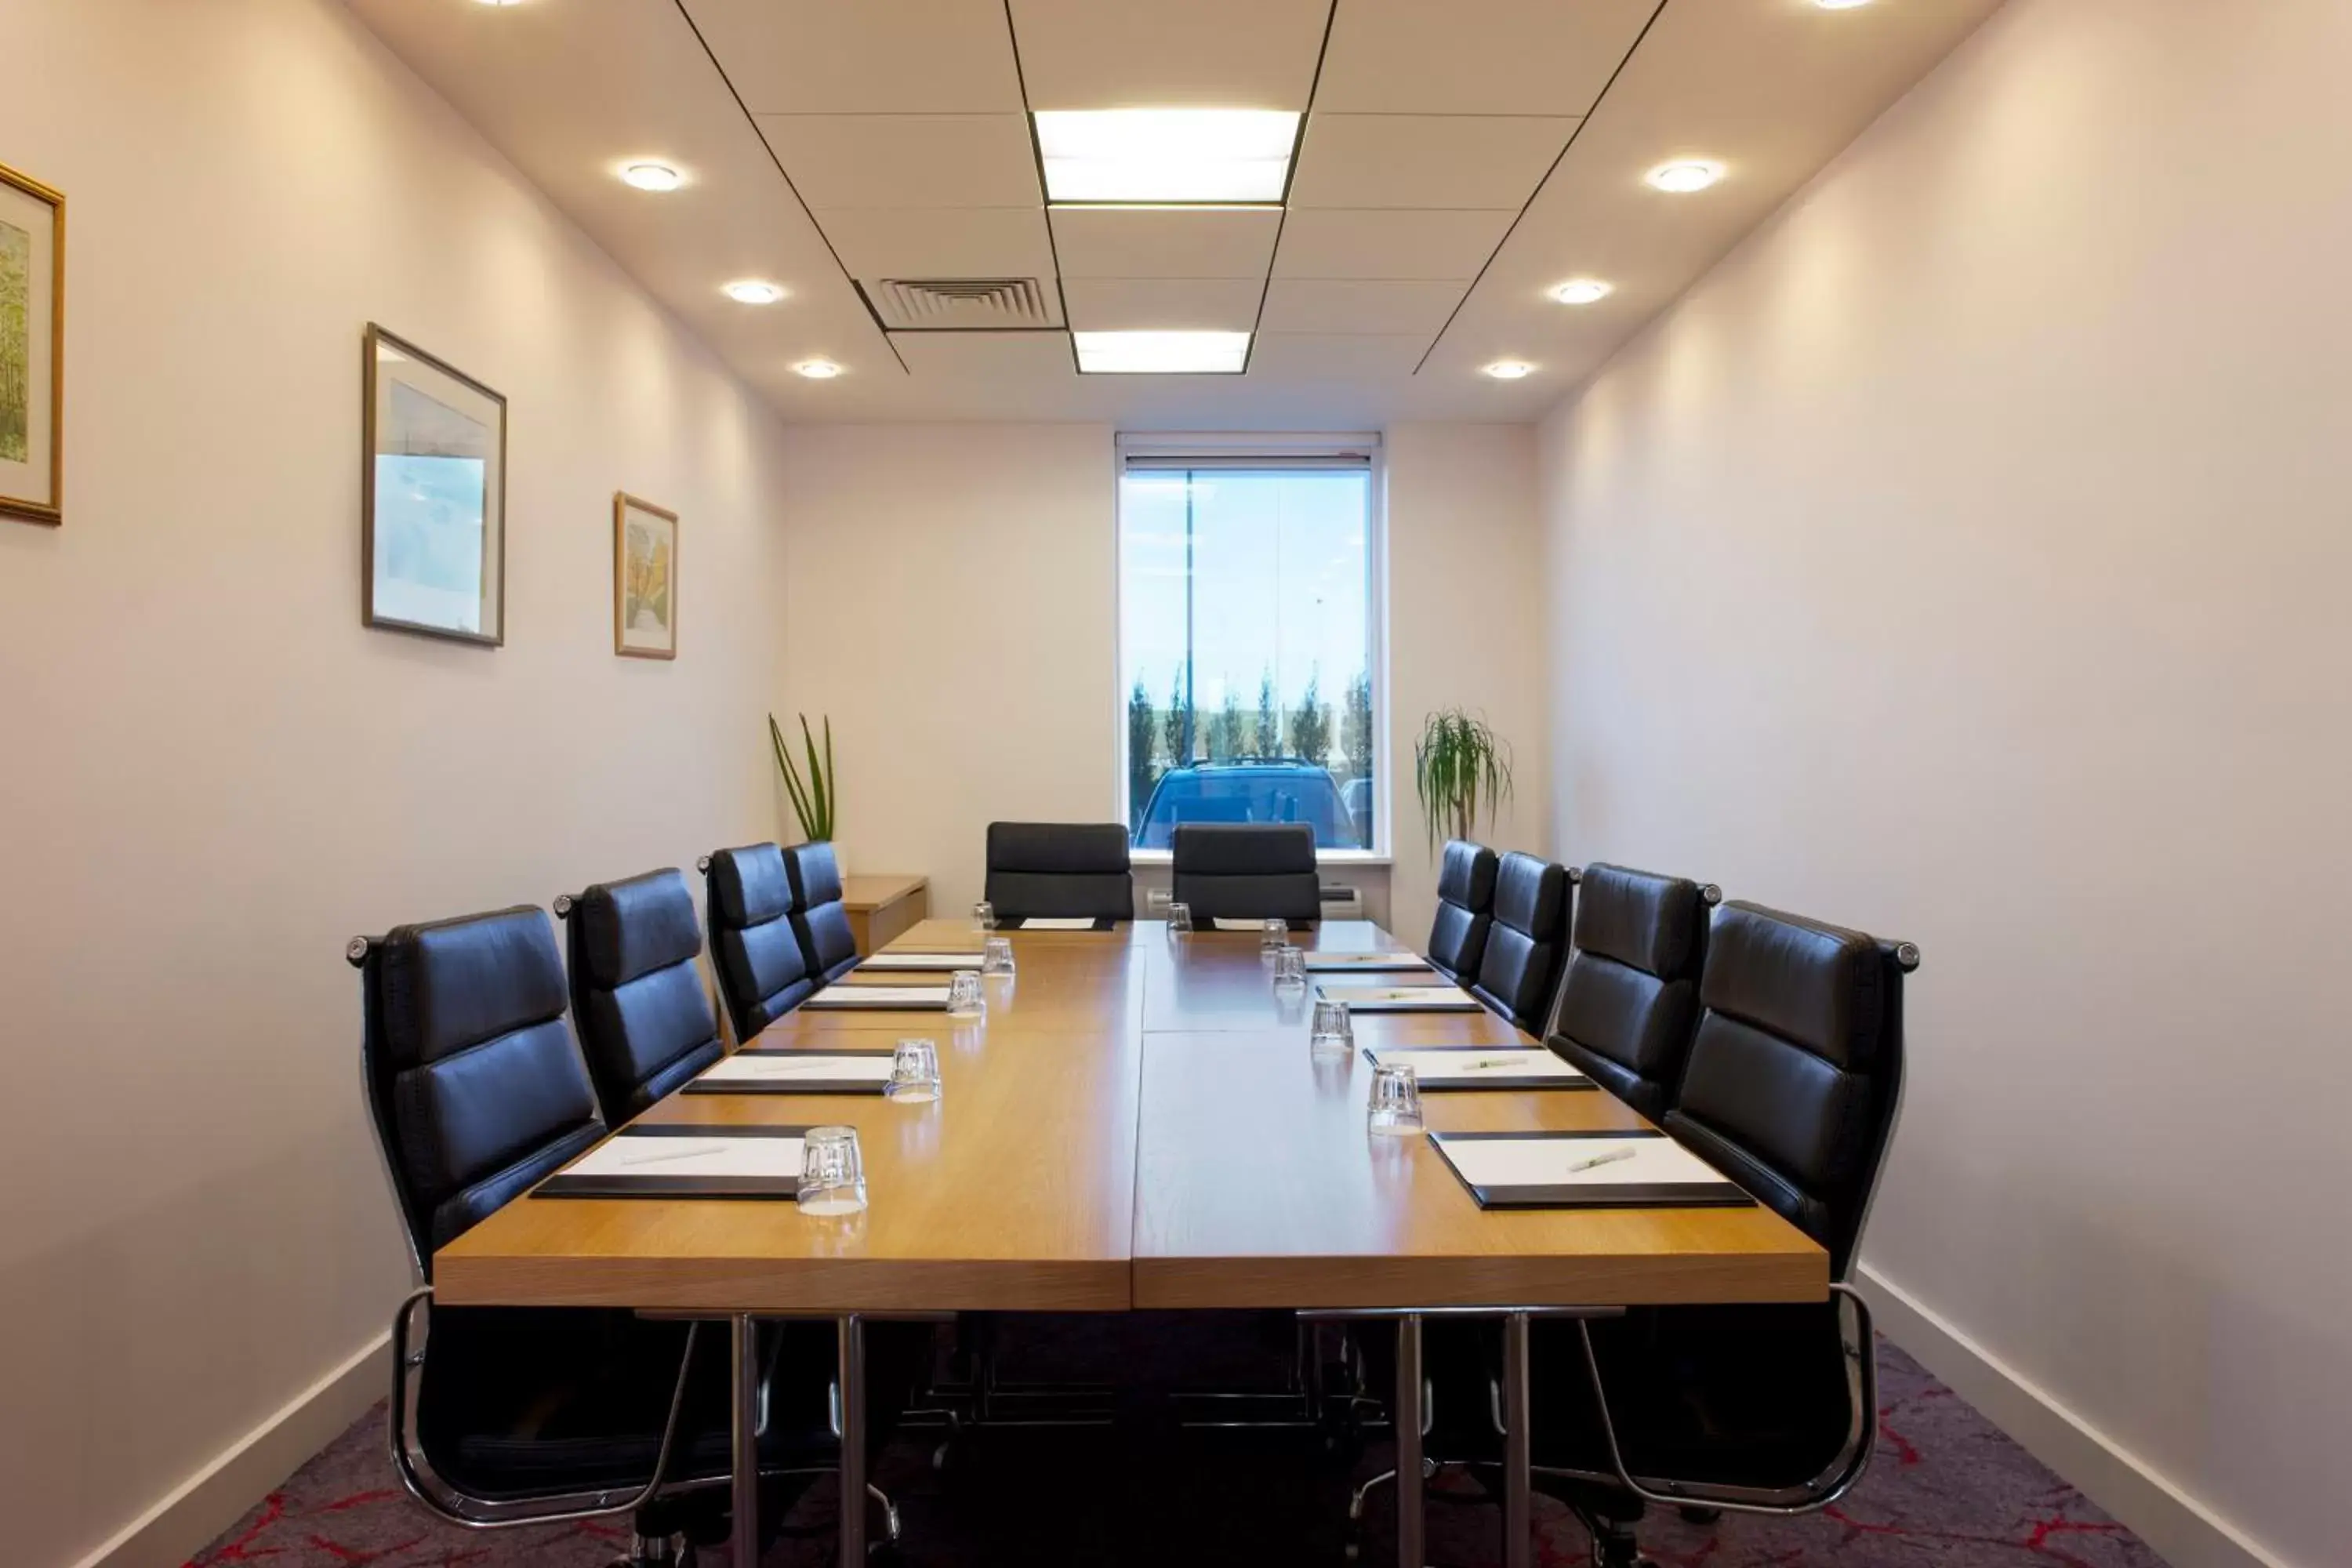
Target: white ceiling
(1457, 161)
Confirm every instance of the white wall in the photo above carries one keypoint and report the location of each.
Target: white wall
(213, 776)
(954, 607)
(1965, 558)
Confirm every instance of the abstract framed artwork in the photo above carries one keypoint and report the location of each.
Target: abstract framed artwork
(433, 536)
(32, 349)
(645, 579)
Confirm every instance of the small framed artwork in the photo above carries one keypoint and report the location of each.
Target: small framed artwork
(32, 349)
(645, 579)
(433, 501)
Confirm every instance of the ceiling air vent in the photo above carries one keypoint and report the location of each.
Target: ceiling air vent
(961, 304)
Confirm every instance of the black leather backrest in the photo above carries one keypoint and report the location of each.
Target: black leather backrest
(1465, 908)
(1257, 871)
(762, 973)
(1796, 1068)
(1630, 998)
(828, 946)
(477, 1087)
(1067, 870)
(1519, 971)
(644, 1020)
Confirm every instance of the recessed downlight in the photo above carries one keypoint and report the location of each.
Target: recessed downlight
(1180, 155)
(754, 291)
(1510, 370)
(651, 176)
(1685, 174)
(498, 2)
(1840, 4)
(1580, 291)
(817, 369)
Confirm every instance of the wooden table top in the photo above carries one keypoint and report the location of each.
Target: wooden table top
(1139, 1122)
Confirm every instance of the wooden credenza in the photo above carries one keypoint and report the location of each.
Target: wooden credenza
(881, 907)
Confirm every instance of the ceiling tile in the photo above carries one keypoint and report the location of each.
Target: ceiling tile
(1128, 54)
(1008, 360)
(1161, 304)
(1317, 305)
(1396, 243)
(1164, 242)
(1476, 56)
(907, 160)
(1425, 160)
(1328, 356)
(876, 57)
(941, 242)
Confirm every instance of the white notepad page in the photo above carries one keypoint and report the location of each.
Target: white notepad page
(1227, 922)
(1056, 922)
(1436, 998)
(783, 1067)
(879, 997)
(920, 960)
(713, 1154)
(1499, 1162)
(1377, 963)
(1500, 1062)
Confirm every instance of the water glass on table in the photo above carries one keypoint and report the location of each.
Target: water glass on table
(1273, 934)
(1289, 967)
(1333, 1030)
(832, 1171)
(1394, 1108)
(996, 955)
(1180, 918)
(964, 997)
(914, 1073)
(983, 916)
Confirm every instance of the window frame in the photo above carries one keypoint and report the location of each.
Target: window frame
(1272, 451)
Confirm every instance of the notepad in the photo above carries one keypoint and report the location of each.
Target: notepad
(677, 1161)
(1056, 922)
(1401, 998)
(892, 998)
(1480, 1067)
(1227, 922)
(762, 1070)
(1369, 963)
(935, 963)
(1558, 1170)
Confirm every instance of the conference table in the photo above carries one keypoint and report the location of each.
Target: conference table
(1137, 1122)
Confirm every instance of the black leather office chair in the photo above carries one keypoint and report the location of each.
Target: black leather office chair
(1519, 974)
(819, 918)
(762, 973)
(1257, 871)
(513, 1415)
(1466, 910)
(644, 1020)
(1069, 870)
(1630, 998)
(1792, 1087)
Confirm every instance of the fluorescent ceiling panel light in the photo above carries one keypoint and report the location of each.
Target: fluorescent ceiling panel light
(1166, 154)
(1161, 354)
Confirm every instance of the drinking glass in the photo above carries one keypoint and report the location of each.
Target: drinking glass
(1273, 934)
(832, 1171)
(1289, 966)
(1156, 901)
(983, 916)
(1395, 1106)
(1333, 1031)
(996, 955)
(964, 998)
(1180, 917)
(914, 1073)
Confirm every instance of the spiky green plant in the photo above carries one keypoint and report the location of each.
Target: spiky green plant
(812, 797)
(1458, 759)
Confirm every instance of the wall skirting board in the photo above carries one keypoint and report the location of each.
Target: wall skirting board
(2183, 1532)
(184, 1519)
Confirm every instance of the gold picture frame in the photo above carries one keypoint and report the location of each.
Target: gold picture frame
(433, 496)
(32, 349)
(644, 578)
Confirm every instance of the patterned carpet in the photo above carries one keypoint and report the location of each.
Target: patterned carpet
(1948, 1490)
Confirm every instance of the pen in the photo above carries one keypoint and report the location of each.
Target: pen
(1485, 1062)
(1608, 1159)
(689, 1151)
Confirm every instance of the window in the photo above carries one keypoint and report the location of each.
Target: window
(1249, 636)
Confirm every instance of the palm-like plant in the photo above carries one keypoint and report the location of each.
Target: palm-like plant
(812, 797)
(1458, 759)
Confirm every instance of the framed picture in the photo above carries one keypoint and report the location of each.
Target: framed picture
(645, 579)
(32, 349)
(432, 498)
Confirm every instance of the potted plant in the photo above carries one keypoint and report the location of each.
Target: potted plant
(812, 794)
(1458, 759)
